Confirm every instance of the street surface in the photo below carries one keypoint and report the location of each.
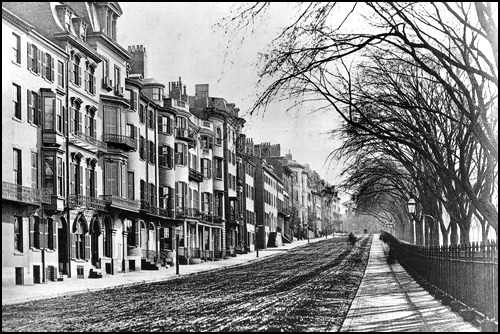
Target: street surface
(305, 289)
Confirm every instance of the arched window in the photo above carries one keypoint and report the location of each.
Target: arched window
(76, 71)
(78, 245)
(218, 136)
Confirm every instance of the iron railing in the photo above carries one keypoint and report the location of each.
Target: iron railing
(467, 273)
(86, 201)
(121, 202)
(23, 194)
(120, 139)
(76, 136)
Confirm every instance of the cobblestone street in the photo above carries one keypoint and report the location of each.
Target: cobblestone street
(305, 289)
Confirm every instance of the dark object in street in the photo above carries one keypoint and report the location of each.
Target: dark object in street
(352, 239)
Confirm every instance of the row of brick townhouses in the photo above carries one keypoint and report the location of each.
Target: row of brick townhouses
(111, 170)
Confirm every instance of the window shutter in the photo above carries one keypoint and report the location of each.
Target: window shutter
(209, 166)
(171, 198)
(72, 119)
(30, 56)
(134, 104)
(87, 247)
(94, 86)
(210, 142)
(94, 128)
(65, 120)
(95, 183)
(80, 176)
(160, 124)
(52, 69)
(44, 64)
(177, 193)
(54, 234)
(87, 182)
(38, 61)
(72, 179)
(30, 106)
(170, 125)
(80, 122)
(170, 157)
(87, 125)
(79, 76)
(86, 81)
(185, 155)
(73, 245)
(184, 193)
(124, 181)
(32, 231)
(38, 111)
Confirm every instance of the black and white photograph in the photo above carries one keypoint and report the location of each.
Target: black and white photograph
(250, 166)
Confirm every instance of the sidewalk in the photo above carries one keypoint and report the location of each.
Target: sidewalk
(389, 300)
(23, 293)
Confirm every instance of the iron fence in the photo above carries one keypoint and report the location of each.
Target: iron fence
(466, 272)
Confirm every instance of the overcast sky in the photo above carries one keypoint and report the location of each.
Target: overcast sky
(182, 40)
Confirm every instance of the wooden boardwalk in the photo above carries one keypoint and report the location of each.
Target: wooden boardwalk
(389, 300)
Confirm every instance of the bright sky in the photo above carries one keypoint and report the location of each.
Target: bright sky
(182, 40)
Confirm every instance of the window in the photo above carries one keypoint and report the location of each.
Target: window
(131, 131)
(141, 113)
(206, 168)
(90, 124)
(218, 136)
(76, 73)
(158, 94)
(152, 119)
(181, 194)
(219, 204)
(117, 79)
(60, 178)
(165, 125)
(33, 108)
(47, 66)
(34, 170)
(218, 168)
(76, 178)
(105, 69)
(90, 80)
(181, 122)
(152, 194)
(132, 97)
(18, 233)
(36, 234)
(131, 189)
(152, 152)
(78, 248)
(48, 110)
(111, 178)
(34, 58)
(16, 48)
(166, 158)
(206, 142)
(76, 123)
(16, 100)
(206, 203)
(181, 154)
(141, 147)
(18, 171)
(59, 116)
(48, 172)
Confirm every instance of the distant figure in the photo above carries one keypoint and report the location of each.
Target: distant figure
(352, 239)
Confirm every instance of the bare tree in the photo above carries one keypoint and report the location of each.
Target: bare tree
(452, 45)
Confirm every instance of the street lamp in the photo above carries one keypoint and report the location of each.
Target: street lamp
(412, 204)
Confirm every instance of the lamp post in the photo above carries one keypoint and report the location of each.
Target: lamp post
(433, 221)
(412, 204)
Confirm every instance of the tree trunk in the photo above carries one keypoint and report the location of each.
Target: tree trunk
(454, 232)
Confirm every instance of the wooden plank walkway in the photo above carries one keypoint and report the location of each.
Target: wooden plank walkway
(389, 300)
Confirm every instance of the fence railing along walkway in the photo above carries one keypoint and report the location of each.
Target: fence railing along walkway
(468, 273)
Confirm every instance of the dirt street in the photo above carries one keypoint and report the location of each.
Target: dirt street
(308, 288)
